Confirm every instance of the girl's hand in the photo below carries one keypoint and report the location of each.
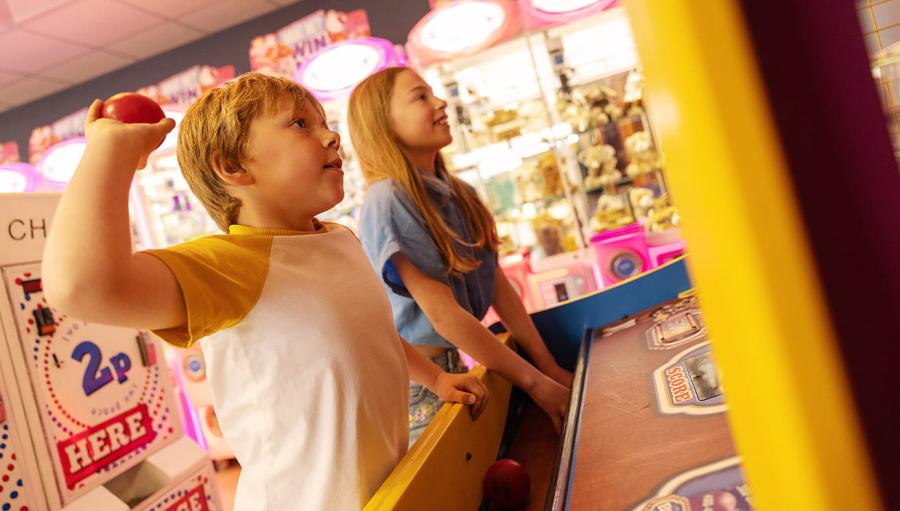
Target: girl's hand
(553, 398)
(462, 388)
(559, 375)
(132, 141)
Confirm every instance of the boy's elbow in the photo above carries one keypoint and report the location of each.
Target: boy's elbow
(71, 296)
(62, 294)
(53, 285)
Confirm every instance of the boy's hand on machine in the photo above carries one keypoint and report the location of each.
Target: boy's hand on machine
(462, 388)
(553, 398)
(135, 141)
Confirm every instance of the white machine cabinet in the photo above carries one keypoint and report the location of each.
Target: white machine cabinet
(89, 408)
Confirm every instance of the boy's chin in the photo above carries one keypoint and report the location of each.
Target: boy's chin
(334, 202)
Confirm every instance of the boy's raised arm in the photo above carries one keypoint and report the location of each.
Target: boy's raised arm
(89, 270)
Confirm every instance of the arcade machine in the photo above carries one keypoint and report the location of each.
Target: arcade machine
(89, 419)
(804, 346)
(647, 400)
(545, 105)
(163, 212)
(561, 277)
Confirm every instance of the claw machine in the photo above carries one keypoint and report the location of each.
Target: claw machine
(546, 111)
(88, 408)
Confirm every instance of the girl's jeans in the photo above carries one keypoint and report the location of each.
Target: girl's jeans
(424, 404)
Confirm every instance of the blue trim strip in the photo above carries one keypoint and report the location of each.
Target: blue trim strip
(586, 341)
(563, 326)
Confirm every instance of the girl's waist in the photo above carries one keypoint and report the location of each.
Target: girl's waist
(433, 350)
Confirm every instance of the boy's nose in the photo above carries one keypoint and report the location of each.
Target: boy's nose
(333, 140)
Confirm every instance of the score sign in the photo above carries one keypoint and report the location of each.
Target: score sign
(83, 454)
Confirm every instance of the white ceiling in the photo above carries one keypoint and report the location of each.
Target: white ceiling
(50, 45)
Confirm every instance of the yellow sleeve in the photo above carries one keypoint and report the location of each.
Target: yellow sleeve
(221, 278)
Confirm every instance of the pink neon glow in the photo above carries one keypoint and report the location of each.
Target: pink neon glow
(18, 177)
(335, 70)
(536, 14)
(58, 163)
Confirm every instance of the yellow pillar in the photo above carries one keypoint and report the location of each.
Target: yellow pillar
(791, 409)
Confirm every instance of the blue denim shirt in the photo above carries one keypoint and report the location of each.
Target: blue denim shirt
(391, 223)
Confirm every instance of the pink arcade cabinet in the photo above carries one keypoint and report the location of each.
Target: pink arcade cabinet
(621, 253)
(89, 420)
(562, 277)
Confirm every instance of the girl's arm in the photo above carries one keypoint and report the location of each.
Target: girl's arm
(511, 311)
(459, 388)
(458, 326)
(89, 270)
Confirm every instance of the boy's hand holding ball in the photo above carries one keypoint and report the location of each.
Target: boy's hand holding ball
(129, 122)
(131, 108)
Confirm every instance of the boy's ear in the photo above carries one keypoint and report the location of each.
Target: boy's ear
(228, 174)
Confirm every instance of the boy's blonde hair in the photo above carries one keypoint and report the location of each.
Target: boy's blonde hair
(381, 157)
(216, 128)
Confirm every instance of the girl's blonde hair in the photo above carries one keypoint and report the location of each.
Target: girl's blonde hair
(381, 157)
(216, 127)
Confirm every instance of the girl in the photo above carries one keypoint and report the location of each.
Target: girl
(435, 245)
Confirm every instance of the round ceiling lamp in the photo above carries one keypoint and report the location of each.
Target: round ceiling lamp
(17, 177)
(335, 70)
(461, 28)
(542, 13)
(58, 163)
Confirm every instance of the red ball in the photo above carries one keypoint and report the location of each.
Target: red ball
(507, 483)
(130, 107)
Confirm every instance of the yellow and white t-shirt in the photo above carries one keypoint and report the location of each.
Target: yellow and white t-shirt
(308, 376)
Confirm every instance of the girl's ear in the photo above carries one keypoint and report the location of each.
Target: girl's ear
(229, 175)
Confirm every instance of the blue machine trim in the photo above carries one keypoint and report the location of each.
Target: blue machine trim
(563, 326)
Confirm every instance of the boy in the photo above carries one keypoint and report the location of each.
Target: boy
(308, 375)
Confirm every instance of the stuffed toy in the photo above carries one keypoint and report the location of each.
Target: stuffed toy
(612, 212)
(643, 156)
(600, 161)
(551, 179)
